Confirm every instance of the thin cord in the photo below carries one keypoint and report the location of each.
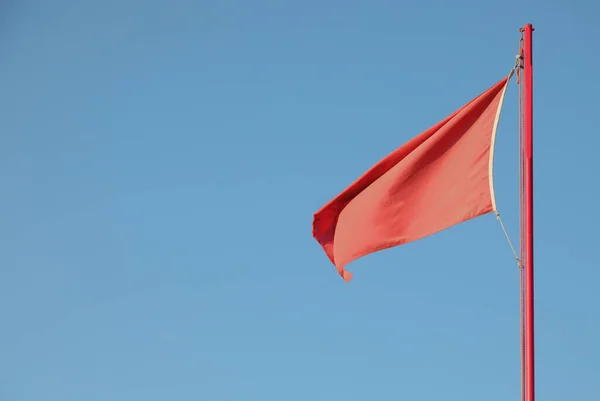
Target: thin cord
(508, 239)
(521, 221)
(516, 69)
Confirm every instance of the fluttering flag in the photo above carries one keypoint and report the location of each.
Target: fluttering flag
(438, 179)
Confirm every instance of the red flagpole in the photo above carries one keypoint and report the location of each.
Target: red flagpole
(528, 181)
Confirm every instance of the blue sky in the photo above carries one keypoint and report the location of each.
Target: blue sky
(160, 162)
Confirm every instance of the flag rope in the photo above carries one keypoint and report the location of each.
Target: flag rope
(515, 70)
(508, 239)
(520, 257)
(521, 94)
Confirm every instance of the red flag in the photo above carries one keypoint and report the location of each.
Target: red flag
(438, 179)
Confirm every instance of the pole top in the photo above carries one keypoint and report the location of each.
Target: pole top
(527, 25)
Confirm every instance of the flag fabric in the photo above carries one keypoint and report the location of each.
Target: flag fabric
(438, 179)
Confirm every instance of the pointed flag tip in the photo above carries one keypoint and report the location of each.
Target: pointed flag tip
(346, 275)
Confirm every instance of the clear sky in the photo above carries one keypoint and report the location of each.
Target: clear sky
(160, 163)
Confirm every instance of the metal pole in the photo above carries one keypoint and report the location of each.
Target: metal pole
(528, 172)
